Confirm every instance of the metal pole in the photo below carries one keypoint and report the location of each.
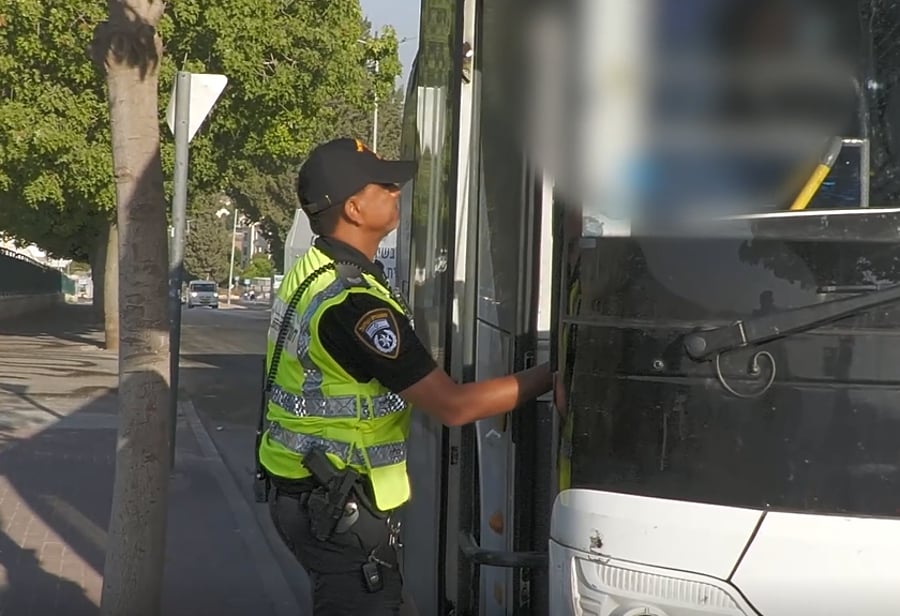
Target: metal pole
(375, 119)
(231, 267)
(179, 213)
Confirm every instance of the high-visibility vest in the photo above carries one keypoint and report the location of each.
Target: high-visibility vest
(314, 402)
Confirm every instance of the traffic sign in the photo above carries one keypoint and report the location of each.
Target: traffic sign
(205, 90)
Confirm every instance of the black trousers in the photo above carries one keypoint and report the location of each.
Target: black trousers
(335, 566)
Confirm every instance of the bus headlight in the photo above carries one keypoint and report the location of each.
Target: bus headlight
(605, 587)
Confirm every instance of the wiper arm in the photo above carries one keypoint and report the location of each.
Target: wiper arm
(701, 345)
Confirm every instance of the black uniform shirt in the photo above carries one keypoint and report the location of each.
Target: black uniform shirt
(367, 336)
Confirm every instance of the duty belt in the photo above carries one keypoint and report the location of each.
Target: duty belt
(335, 406)
(379, 455)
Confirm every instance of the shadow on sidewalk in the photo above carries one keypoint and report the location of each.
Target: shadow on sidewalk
(56, 487)
(21, 392)
(56, 475)
(23, 569)
(72, 322)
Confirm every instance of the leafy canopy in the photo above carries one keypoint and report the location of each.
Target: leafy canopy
(296, 71)
(207, 250)
(55, 156)
(259, 267)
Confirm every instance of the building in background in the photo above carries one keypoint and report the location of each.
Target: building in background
(248, 242)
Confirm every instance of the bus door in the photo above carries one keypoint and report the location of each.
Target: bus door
(424, 245)
(471, 240)
(501, 469)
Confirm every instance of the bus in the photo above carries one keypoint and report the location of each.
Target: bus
(708, 253)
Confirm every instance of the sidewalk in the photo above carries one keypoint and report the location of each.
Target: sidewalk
(58, 419)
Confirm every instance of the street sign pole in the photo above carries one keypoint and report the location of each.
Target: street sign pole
(176, 262)
(192, 99)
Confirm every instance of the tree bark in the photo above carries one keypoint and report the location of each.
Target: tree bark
(98, 274)
(129, 49)
(111, 289)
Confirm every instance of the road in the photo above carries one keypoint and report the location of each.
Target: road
(221, 361)
(222, 355)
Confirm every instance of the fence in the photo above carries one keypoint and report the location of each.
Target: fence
(20, 275)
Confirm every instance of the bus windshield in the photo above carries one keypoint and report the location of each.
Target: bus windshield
(809, 422)
(203, 287)
(717, 227)
(734, 109)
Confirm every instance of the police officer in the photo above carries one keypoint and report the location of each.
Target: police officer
(349, 372)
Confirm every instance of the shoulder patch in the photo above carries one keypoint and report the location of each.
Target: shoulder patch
(377, 329)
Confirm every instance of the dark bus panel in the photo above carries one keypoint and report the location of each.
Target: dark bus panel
(808, 423)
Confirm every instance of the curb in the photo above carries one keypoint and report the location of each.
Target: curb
(270, 572)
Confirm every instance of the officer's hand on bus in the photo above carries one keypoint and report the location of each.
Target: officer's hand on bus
(455, 404)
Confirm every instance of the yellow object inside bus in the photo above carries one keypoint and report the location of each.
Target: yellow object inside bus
(818, 176)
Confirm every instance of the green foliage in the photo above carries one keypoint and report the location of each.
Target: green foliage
(299, 73)
(269, 198)
(390, 125)
(383, 50)
(208, 248)
(296, 71)
(55, 158)
(259, 267)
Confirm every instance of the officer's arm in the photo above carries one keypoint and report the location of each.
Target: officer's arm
(371, 340)
(455, 405)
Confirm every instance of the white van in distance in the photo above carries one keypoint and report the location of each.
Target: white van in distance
(203, 293)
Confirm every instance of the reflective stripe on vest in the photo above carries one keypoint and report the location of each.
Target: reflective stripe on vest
(335, 406)
(315, 402)
(378, 455)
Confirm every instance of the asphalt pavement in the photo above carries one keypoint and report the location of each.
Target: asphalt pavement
(222, 353)
(57, 460)
(221, 360)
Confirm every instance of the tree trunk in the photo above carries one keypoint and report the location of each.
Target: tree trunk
(98, 275)
(111, 289)
(105, 278)
(130, 50)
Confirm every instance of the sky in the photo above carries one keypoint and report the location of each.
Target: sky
(404, 16)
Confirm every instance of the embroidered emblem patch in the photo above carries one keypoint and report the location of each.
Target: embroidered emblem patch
(361, 147)
(378, 330)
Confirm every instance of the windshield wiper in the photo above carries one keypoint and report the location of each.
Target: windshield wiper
(705, 344)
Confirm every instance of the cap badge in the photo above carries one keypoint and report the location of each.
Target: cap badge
(361, 147)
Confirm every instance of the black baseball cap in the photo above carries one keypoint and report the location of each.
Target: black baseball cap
(338, 169)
